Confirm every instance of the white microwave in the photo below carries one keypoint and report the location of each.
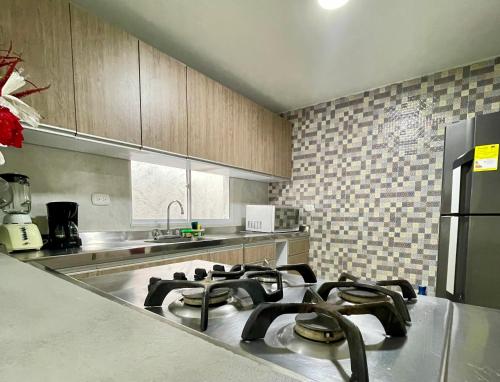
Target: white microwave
(267, 218)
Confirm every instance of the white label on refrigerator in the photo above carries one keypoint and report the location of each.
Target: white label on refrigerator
(452, 255)
(455, 190)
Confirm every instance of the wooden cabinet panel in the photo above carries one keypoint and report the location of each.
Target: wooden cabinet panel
(40, 31)
(106, 71)
(245, 124)
(210, 116)
(228, 256)
(283, 148)
(298, 246)
(263, 142)
(259, 253)
(163, 100)
(299, 259)
(226, 127)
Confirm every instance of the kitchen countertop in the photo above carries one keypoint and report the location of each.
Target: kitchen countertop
(475, 344)
(126, 245)
(455, 342)
(54, 330)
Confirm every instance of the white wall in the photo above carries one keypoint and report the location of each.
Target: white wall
(60, 175)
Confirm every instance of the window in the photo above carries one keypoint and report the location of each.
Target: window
(209, 196)
(155, 186)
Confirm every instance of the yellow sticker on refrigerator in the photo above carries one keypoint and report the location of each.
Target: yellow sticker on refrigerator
(486, 158)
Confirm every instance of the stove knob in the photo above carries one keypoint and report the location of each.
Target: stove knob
(200, 274)
(219, 268)
(180, 276)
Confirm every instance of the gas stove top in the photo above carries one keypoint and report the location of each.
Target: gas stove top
(404, 339)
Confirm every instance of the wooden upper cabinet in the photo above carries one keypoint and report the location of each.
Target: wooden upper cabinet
(211, 115)
(40, 31)
(163, 101)
(106, 71)
(283, 148)
(244, 126)
(263, 142)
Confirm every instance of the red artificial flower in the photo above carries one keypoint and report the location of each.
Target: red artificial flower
(11, 130)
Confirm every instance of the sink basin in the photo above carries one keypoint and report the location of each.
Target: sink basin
(166, 240)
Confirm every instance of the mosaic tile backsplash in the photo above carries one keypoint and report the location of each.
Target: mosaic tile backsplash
(370, 165)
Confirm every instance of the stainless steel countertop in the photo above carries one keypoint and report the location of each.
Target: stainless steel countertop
(418, 357)
(104, 247)
(474, 353)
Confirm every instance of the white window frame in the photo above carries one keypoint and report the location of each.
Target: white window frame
(187, 209)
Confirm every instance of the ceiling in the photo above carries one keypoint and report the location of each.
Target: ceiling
(287, 54)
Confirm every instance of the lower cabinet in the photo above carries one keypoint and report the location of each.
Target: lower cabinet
(260, 253)
(299, 259)
(298, 251)
(230, 256)
(263, 253)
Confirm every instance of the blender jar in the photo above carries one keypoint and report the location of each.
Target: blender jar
(21, 195)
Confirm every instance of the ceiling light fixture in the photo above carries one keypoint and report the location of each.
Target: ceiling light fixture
(332, 4)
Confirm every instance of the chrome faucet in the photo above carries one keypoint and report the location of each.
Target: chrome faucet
(169, 232)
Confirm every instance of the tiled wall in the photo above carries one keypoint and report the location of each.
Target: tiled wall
(371, 165)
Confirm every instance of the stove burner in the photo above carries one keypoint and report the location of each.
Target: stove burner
(351, 296)
(238, 270)
(318, 327)
(192, 313)
(360, 296)
(266, 280)
(209, 292)
(398, 301)
(264, 315)
(194, 297)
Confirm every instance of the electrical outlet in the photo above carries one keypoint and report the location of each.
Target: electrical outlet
(99, 199)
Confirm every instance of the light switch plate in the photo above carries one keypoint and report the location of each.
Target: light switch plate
(99, 199)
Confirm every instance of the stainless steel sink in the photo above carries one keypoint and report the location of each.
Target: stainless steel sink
(166, 240)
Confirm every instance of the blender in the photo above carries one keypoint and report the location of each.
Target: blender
(18, 231)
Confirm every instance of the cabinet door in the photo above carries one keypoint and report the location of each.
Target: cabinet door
(227, 256)
(163, 101)
(40, 31)
(259, 253)
(106, 66)
(263, 142)
(210, 118)
(283, 148)
(298, 246)
(246, 113)
(301, 258)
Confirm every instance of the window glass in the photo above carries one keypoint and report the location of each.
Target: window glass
(154, 187)
(209, 195)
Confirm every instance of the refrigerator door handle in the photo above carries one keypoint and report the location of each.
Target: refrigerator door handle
(452, 255)
(455, 190)
(463, 159)
(461, 166)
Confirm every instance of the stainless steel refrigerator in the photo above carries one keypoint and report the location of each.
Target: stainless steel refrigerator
(469, 232)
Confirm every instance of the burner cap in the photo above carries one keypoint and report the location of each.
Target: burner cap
(318, 327)
(266, 279)
(359, 296)
(194, 297)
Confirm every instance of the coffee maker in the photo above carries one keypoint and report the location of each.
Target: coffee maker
(17, 232)
(63, 225)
